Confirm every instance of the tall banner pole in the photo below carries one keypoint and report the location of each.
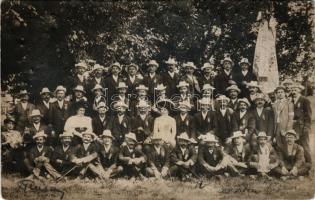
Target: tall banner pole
(265, 60)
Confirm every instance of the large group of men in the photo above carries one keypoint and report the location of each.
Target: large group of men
(131, 123)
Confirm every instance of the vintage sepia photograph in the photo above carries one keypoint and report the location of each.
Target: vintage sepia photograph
(172, 100)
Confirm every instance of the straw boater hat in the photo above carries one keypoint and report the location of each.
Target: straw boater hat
(297, 85)
(66, 134)
(97, 87)
(209, 138)
(23, 92)
(165, 103)
(182, 84)
(131, 136)
(120, 104)
(35, 113)
(97, 67)
(143, 104)
(156, 137)
(81, 64)
(292, 132)
(102, 105)
(60, 88)
(237, 134)
(44, 90)
(121, 85)
(207, 65)
(107, 133)
(117, 64)
(243, 100)
(227, 59)
(280, 87)
(287, 81)
(263, 134)
(89, 133)
(142, 87)
(253, 84)
(205, 101)
(153, 63)
(260, 96)
(244, 60)
(207, 87)
(184, 104)
(171, 61)
(233, 87)
(193, 141)
(184, 136)
(189, 65)
(79, 88)
(222, 98)
(132, 65)
(9, 118)
(40, 134)
(160, 87)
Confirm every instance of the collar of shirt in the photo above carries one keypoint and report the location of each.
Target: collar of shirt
(259, 111)
(60, 103)
(171, 74)
(264, 150)
(107, 148)
(157, 149)
(240, 148)
(295, 99)
(65, 148)
(227, 72)
(233, 100)
(183, 96)
(143, 116)
(46, 104)
(40, 149)
(223, 111)
(115, 77)
(24, 105)
(244, 72)
(36, 126)
(183, 116)
(210, 151)
(98, 80)
(152, 75)
(242, 113)
(86, 146)
(120, 118)
(81, 77)
(102, 118)
(204, 114)
(183, 150)
(132, 79)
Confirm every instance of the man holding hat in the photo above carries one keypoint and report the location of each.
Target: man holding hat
(132, 157)
(170, 78)
(184, 121)
(292, 161)
(108, 156)
(143, 122)
(62, 153)
(40, 158)
(101, 120)
(158, 156)
(183, 158)
(22, 110)
(59, 110)
(44, 104)
(243, 77)
(302, 119)
(152, 79)
(112, 81)
(233, 93)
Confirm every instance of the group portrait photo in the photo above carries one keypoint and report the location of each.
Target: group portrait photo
(157, 99)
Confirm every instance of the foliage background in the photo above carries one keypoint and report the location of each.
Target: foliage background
(42, 40)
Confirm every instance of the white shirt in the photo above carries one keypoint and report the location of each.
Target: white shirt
(259, 111)
(183, 116)
(46, 104)
(227, 72)
(98, 80)
(157, 149)
(86, 146)
(120, 118)
(171, 74)
(233, 100)
(36, 126)
(183, 150)
(102, 118)
(223, 112)
(60, 103)
(107, 148)
(65, 148)
(81, 77)
(244, 72)
(152, 75)
(24, 105)
(242, 114)
(295, 99)
(40, 149)
(143, 117)
(204, 114)
(132, 79)
(239, 148)
(115, 78)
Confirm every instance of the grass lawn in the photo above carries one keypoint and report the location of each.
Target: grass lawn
(230, 188)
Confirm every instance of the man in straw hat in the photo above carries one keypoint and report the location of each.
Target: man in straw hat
(113, 80)
(206, 77)
(108, 156)
(190, 78)
(184, 121)
(141, 95)
(40, 158)
(132, 158)
(205, 118)
(79, 77)
(44, 104)
(120, 123)
(99, 95)
(85, 156)
(233, 93)
(292, 161)
(253, 89)
(223, 79)
(302, 119)
(263, 159)
(283, 110)
(183, 158)
(122, 94)
(22, 110)
(245, 76)
(158, 156)
(97, 77)
(287, 83)
(184, 94)
(132, 80)
(101, 120)
(143, 122)
(244, 118)
(59, 110)
(62, 153)
(152, 79)
(170, 78)
(264, 117)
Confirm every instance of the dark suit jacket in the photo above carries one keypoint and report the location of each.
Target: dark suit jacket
(297, 158)
(246, 122)
(58, 116)
(132, 86)
(264, 122)
(22, 116)
(60, 154)
(203, 80)
(234, 105)
(239, 156)
(170, 83)
(110, 158)
(44, 111)
(80, 152)
(111, 84)
(189, 154)
(125, 154)
(221, 82)
(239, 78)
(225, 124)
(302, 115)
(203, 126)
(151, 83)
(98, 125)
(212, 159)
(187, 125)
(119, 130)
(34, 153)
(146, 125)
(158, 159)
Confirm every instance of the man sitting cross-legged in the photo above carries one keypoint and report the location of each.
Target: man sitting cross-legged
(158, 158)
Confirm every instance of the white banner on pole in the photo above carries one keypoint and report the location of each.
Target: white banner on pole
(265, 60)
